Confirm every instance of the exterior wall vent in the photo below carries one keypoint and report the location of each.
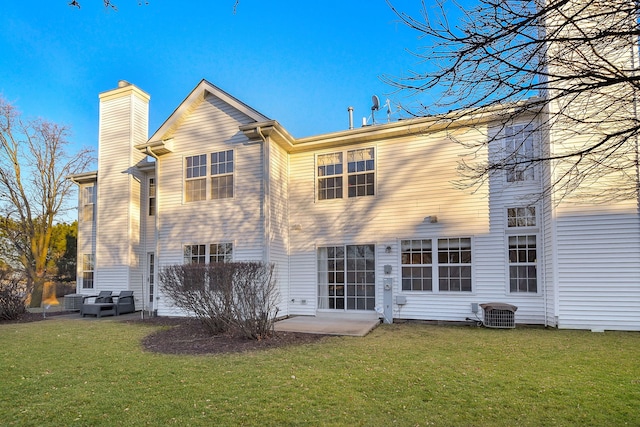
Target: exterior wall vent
(499, 315)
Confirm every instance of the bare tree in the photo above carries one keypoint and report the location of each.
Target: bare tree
(34, 165)
(572, 63)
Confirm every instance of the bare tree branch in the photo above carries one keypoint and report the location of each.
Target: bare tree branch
(34, 166)
(574, 64)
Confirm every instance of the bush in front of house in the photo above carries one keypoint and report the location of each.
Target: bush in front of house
(238, 297)
(12, 296)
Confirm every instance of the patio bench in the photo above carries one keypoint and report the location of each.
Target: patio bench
(103, 305)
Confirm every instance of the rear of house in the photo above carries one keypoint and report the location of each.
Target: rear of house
(367, 220)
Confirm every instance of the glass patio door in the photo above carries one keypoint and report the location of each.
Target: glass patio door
(346, 277)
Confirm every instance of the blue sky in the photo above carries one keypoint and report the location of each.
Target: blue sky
(299, 62)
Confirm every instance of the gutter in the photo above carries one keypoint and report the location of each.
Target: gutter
(156, 226)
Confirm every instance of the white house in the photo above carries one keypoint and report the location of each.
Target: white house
(355, 221)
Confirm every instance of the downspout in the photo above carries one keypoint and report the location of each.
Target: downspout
(266, 205)
(156, 225)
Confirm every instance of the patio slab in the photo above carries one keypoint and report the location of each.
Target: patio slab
(357, 325)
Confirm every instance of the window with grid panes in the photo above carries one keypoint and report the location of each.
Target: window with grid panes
(417, 273)
(360, 172)
(195, 254)
(519, 150)
(523, 259)
(152, 196)
(330, 176)
(88, 203)
(521, 217)
(454, 265)
(88, 261)
(220, 252)
(222, 175)
(195, 178)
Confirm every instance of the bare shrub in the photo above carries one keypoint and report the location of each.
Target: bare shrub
(12, 297)
(239, 296)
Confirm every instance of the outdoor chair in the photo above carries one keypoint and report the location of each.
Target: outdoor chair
(126, 303)
(102, 305)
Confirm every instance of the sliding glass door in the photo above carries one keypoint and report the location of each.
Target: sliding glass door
(346, 277)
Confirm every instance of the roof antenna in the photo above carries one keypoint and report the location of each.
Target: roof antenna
(374, 107)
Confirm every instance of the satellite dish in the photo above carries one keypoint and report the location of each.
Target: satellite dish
(376, 103)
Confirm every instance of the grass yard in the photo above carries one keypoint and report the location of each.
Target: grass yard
(69, 372)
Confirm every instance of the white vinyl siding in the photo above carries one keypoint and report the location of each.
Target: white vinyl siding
(119, 245)
(408, 190)
(212, 126)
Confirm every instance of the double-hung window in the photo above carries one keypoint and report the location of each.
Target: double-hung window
(195, 254)
(522, 250)
(330, 176)
(454, 264)
(88, 202)
(417, 265)
(361, 167)
(222, 175)
(220, 252)
(519, 143)
(88, 262)
(195, 178)
(203, 254)
(152, 196)
(359, 174)
(446, 262)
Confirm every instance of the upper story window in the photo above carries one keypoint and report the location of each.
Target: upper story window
(330, 176)
(222, 175)
(519, 147)
(152, 196)
(521, 217)
(361, 167)
(195, 178)
(360, 174)
(88, 202)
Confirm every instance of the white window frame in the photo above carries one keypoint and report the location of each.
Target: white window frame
(222, 170)
(522, 249)
(205, 254)
(346, 282)
(88, 203)
(520, 145)
(521, 222)
(88, 269)
(417, 265)
(342, 168)
(435, 265)
(151, 190)
(195, 174)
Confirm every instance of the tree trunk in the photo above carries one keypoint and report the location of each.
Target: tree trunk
(36, 293)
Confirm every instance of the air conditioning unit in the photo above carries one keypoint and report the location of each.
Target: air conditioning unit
(499, 315)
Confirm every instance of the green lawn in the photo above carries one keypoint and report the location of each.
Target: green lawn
(70, 372)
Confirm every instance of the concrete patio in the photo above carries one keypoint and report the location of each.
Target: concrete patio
(357, 325)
